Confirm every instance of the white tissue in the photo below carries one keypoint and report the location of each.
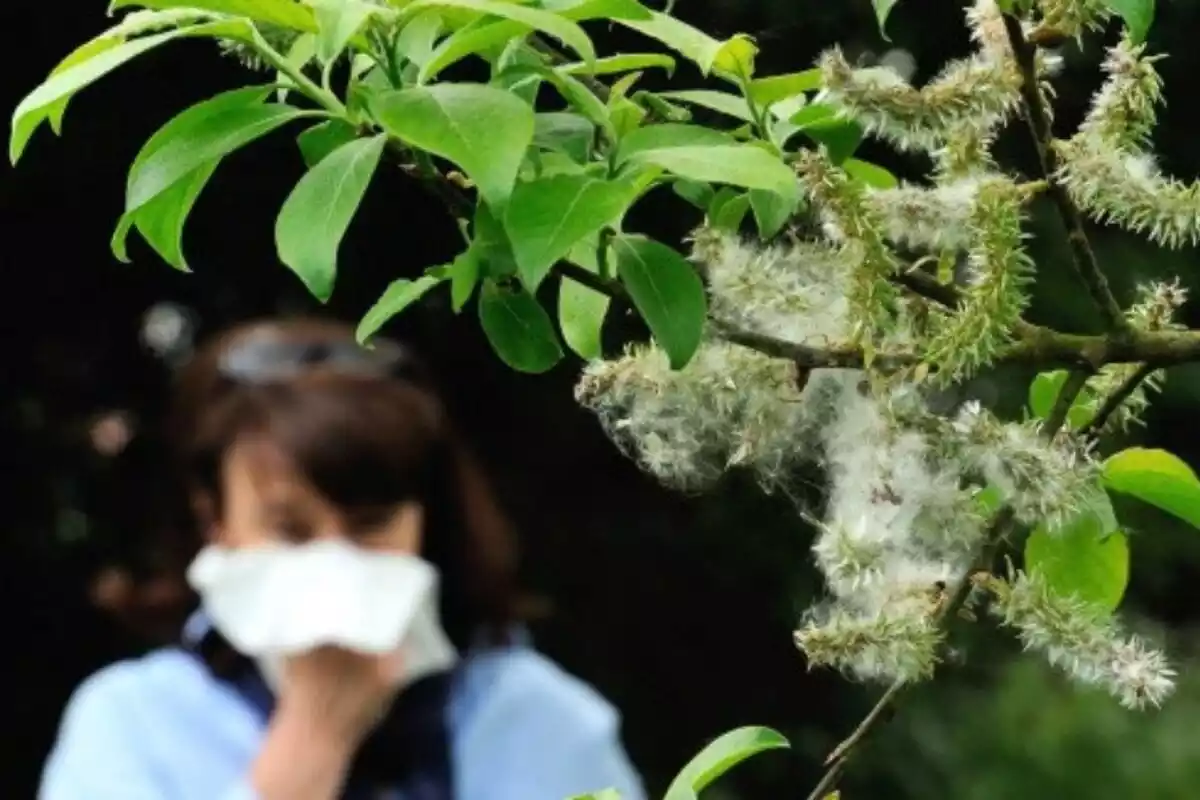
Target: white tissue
(278, 600)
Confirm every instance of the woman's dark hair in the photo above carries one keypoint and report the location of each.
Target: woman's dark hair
(367, 430)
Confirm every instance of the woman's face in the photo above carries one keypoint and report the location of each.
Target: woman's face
(267, 500)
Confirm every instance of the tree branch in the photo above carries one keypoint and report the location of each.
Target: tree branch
(1082, 256)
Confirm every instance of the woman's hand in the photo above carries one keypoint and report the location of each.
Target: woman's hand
(343, 692)
(329, 702)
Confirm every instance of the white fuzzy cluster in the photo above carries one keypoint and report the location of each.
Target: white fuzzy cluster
(1043, 481)
(1083, 641)
(920, 218)
(1108, 167)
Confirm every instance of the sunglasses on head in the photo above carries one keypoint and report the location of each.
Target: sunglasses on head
(267, 357)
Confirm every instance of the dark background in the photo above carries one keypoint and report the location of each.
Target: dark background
(679, 609)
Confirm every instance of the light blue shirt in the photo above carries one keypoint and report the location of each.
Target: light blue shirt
(162, 727)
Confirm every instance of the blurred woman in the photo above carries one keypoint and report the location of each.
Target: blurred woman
(357, 635)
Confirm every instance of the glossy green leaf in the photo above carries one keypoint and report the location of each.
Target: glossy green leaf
(667, 293)
(872, 175)
(459, 46)
(1156, 477)
(1087, 558)
(399, 295)
(625, 62)
(337, 23)
(774, 88)
(286, 13)
(547, 216)
(728, 209)
(1044, 391)
(771, 211)
(418, 39)
(315, 216)
(581, 313)
(607, 794)
(731, 105)
(742, 165)
(209, 137)
(1137, 14)
(735, 57)
(161, 219)
(883, 9)
(565, 132)
(464, 276)
(80, 69)
(697, 193)
(322, 139)
(490, 243)
(484, 130)
(518, 328)
(824, 125)
(690, 42)
(667, 135)
(720, 756)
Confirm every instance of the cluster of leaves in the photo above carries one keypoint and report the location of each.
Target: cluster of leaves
(541, 162)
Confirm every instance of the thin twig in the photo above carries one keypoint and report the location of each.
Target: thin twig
(1115, 400)
(1083, 258)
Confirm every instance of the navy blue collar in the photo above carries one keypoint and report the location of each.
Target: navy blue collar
(409, 751)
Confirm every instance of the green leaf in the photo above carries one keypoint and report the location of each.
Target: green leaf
(607, 794)
(482, 129)
(161, 219)
(286, 13)
(744, 165)
(321, 140)
(872, 175)
(722, 755)
(667, 292)
(882, 9)
(315, 215)
(526, 18)
(302, 51)
(464, 275)
(1044, 391)
(338, 21)
(565, 132)
(490, 243)
(1087, 558)
(419, 37)
(547, 216)
(666, 135)
(731, 105)
(207, 138)
(774, 88)
(771, 211)
(625, 62)
(1138, 16)
(735, 57)
(581, 313)
(1156, 477)
(518, 328)
(697, 193)
(690, 42)
(80, 69)
(824, 125)
(399, 295)
(728, 210)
